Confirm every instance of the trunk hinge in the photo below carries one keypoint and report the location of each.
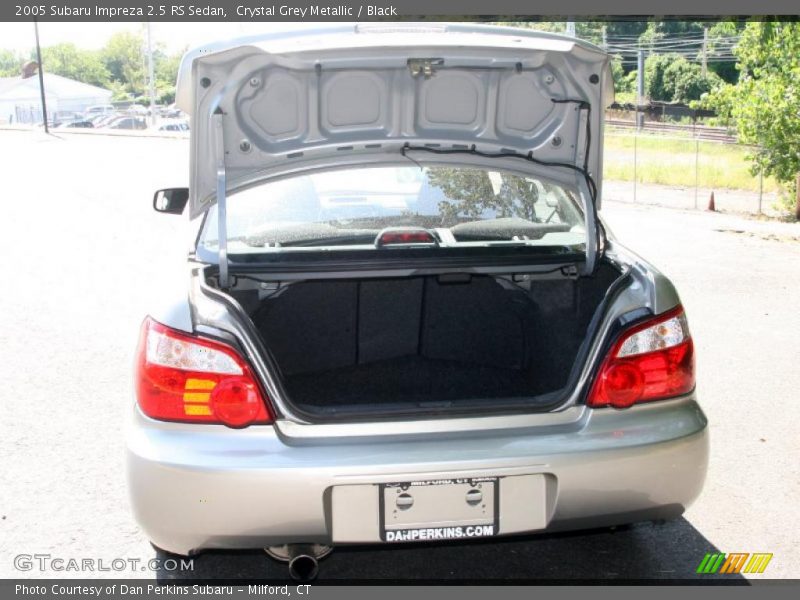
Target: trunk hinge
(222, 217)
(592, 232)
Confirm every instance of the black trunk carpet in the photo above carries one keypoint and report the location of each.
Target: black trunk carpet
(411, 379)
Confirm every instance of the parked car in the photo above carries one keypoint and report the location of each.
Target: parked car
(174, 125)
(61, 118)
(137, 109)
(104, 120)
(99, 110)
(79, 124)
(454, 348)
(172, 112)
(128, 123)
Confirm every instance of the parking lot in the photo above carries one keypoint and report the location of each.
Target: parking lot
(85, 256)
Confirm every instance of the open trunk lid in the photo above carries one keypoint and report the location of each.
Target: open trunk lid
(266, 106)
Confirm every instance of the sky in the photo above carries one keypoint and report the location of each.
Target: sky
(174, 36)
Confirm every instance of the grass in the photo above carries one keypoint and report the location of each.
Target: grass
(669, 161)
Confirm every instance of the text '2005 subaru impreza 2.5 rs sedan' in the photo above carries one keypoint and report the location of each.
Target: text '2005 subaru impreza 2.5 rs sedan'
(403, 318)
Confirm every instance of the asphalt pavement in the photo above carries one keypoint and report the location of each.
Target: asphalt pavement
(85, 256)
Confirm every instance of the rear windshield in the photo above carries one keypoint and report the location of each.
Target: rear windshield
(352, 208)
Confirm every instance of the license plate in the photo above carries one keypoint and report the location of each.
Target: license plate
(442, 509)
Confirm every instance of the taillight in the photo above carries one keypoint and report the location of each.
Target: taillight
(404, 236)
(653, 360)
(182, 377)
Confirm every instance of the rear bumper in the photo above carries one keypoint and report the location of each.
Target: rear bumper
(194, 487)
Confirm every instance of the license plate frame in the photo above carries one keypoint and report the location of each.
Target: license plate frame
(482, 526)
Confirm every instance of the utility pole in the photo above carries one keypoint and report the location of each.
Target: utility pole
(151, 77)
(640, 90)
(705, 51)
(570, 30)
(41, 76)
(605, 38)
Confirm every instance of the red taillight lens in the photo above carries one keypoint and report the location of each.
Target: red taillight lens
(181, 377)
(236, 403)
(651, 361)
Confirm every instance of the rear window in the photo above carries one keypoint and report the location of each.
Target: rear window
(350, 208)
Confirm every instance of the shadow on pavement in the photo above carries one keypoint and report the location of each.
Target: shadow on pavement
(671, 551)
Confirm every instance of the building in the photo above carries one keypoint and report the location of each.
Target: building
(20, 99)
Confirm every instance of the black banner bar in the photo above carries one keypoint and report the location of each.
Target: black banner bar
(375, 10)
(68, 589)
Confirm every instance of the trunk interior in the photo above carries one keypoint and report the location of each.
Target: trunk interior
(426, 343)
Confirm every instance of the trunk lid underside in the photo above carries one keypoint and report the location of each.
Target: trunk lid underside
(265, 107)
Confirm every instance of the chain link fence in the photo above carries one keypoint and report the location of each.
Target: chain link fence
(683, 165)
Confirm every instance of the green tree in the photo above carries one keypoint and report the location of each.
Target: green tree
(624, 83)
(118, 91)
(672, 78)
(655, 66)
(764, 104)
(69, 61)
(591, 31)
(727, 70)
(125, 61)
(657, 30)
(10, 63)
(120, 66)
(166, 68)
(685, 81)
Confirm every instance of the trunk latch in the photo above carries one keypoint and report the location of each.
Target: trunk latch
(424, 66)
(570, 271)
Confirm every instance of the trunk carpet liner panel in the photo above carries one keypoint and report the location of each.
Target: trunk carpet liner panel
(411, 379)
(427, 341)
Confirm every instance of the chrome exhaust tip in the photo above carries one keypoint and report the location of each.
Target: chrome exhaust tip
(302, 559)
(303, 565)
